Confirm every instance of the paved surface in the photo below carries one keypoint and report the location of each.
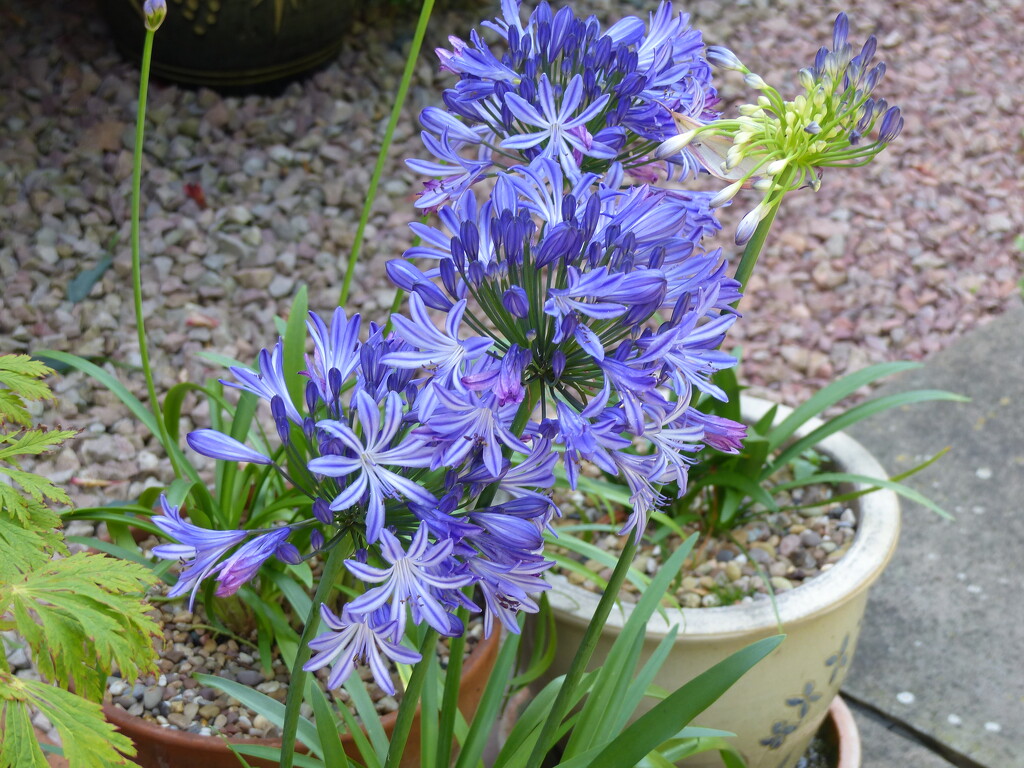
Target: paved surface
(941, 650)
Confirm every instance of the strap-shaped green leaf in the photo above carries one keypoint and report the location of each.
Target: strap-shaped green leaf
(669, 716)
(331, 748)
(856, 414)
(138, 410)
(831, 395)
(259, 702)
(295, 347)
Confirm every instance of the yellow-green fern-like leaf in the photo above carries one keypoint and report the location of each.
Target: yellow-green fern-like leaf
(82, 614)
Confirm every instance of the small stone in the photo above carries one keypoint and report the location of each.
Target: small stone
(388, 704)
(810, 538)
(690, 600)
(209, 711)
(733, 572)
(179, 720)
(261, 723)
(789, 544)
(905, 697)
(153, 695)
(780, 584)
(250, 677)
(116, 688)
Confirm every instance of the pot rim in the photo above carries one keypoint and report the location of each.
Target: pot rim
(877, 535)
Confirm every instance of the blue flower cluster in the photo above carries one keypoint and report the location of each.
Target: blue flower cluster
(589, 99)
(565, 316)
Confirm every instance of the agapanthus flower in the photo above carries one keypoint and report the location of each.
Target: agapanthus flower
(217, 445)
(409, 581)
(358, 639)
(205, 552)
(365, 472)
(563, 88)
(777, 145)
(268, 382)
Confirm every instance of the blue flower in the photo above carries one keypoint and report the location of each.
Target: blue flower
(443, 352)
(557, 123)
(248, 558)
(464, 422)
(354, 639)
(335, 353)
(269, 382)
(365, 471)
(507, 588)
(216, 445)
(411, 580)
(201, 547)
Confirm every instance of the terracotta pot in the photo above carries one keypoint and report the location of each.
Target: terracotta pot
(160, 747)
(777, 707)
(841, 729)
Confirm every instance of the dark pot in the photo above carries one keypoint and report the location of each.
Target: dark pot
(160, 747)
(234, 44)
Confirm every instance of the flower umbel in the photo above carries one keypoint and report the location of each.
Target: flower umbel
(778, 145)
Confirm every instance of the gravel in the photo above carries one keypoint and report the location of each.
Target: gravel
(771, 553)
(175, 699)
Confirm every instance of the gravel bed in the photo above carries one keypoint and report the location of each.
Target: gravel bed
(770, 554)
(176, 700)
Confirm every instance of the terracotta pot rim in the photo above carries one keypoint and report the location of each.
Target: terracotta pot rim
(135, 726)
(848, 733)
(873, 547)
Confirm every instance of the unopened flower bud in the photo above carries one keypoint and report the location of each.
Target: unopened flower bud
(777, 166)
(807, 79)
(725, 195)
(755, 81)
(674, 145)
(748, 224)
(154, 12)
(724, 58)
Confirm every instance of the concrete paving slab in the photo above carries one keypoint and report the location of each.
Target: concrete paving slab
(883, 747)
(943, 637)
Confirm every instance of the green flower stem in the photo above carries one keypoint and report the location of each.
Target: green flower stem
(566, 693)
(378, 169)
(756, 243)
(332, 571)
(140, 320)
(410, 701)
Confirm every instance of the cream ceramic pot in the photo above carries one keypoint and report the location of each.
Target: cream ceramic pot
(777, 707)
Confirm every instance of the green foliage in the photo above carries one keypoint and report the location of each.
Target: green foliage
(79, 615)
(725, 491)
(595, 708)
(89, 740)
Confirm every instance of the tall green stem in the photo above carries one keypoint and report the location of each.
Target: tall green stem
(297, 688)
(140, 320)
(410, 702)
(389, 132)
(567, 692)
(756, 243)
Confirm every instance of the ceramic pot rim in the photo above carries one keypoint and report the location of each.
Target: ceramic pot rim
(872, 548)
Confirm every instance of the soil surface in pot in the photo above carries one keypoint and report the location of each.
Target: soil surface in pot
(773, 553)
(174, 699)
